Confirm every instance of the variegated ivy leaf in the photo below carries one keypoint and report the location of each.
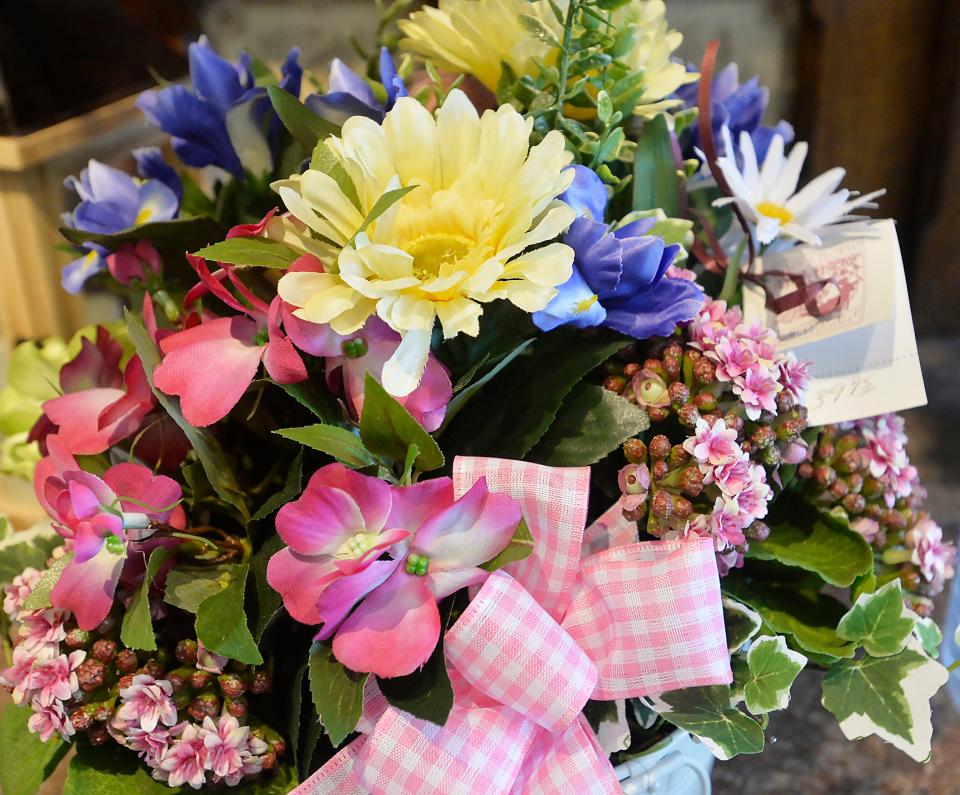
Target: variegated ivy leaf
(929, 635)
(19, 550)
(771, 669)
(887, 696)
(741, 623)
(879, 621)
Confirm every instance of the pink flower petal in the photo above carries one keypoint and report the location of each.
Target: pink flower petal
(76, 414)
(85, 501)
(281, 359)
(313, 338)
(412, 505)
(471, 531)
(141, 491)
(209, 367)
(124, 417)
(444, 583)
(372, 495)
(320, 521)
(87, 542)
(97, 364)
(87, 589)
(393, 631)
(300, 579)
(342, 594)
(386, 540)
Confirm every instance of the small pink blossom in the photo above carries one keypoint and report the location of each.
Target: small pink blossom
(732, 358)
(726, 561)
(714, 446)
(47, 721)
(228, 749)
(794, 376)
(714, 322)
(757, 389)
(184, 761)
(673, 272)
(149, 745)
(732, 477)
(39, 628)
(634, 482)
(650, 389)
(133, 261)
(16, 678)
(55, 679)
(931, 554)
(753, 499)
(726, 524)
(147, 703)
(17, 591)
(209, 661)
(867, 527)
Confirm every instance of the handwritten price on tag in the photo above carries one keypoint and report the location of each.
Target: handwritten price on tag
(853, 389)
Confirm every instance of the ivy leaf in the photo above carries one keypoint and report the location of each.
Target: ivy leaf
(173, 237)
(741, 623)
(259, 252)
(887, 696)
(292, 486)
(803, 536)
(520, 547)
(655, 179)
(337, 692)
(222, 624)
(39, 597)
(186, 589)
(592, 422)
(772, 669)
(25, 548)
(340, 443)
(301, 122)
(929, 635)
(25, 761)
(425, 694)
(136, 632)
(879, 621)
(387, 428)
(707, 713)
(208, 450)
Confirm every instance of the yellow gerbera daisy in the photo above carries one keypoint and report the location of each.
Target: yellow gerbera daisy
(472, 231)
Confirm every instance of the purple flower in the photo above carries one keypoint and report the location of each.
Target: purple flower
(349, 94)
(619, 279)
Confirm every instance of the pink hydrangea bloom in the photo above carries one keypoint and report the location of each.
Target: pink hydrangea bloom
(713, 445)
(184, 761)
(55, 679)
(228, 749)
(758, 389)
(40, 628)
(47, 721)
(931, 554)
(17, 591)
(147, 703)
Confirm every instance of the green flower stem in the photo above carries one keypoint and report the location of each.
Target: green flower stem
(731, 280)
(953, 667)
(564, 66)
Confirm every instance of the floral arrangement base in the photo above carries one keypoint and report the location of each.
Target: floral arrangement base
(679, 766)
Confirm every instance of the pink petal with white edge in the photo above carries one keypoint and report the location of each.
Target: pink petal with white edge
(342, 594)
(300, 579)
(471, 531)
(77, 415)
(413, 505)
(141, 491)
(87, 589)
(393, 631)
(372, 495)
(209, 367)
(444, 583)
(320, 521)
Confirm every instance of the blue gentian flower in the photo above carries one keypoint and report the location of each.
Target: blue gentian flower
(218, 122)
(737, 106)
(110, 201)
(350, 95)
(619, 277)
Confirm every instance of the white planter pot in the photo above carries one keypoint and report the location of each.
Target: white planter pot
(678, 766)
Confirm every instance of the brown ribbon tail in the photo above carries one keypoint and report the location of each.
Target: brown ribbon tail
(805, 294)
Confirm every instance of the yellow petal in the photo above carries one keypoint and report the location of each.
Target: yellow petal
(459, 316)
(323, 194)
(549, 266)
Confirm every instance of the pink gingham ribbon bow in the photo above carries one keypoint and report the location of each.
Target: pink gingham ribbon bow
(586, 615)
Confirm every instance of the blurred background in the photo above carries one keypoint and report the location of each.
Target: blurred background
(872, 86)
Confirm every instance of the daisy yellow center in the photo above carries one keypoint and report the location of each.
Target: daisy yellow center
(778, 211)
(356, 545)
(433, 253)
(585, 303)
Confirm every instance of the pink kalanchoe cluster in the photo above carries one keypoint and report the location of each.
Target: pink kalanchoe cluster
(886, 455)
(745, 355)
(930, 553)
(18, 590)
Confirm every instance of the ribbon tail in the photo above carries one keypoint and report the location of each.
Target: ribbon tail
(336, 776)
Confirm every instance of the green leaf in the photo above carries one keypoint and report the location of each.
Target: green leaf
(772, 668)
(707, 713)
(39, 597)
(592, 422)
(340, 443)
(387, 428)
(292, 487)
(25, 761)
(185, 234)
(259, 252)
(929, 635)
(520, 547)
(802, 536)
(887, 696)
(32, 547)
(318, 402)
(337, 692)
(136, 632)
(380, 206)
(425, 694)
(208, 450)
(879, 621)
(222, 624)
(811, 618)
(741, 623)
(187, 588)
(324, 160)
(302, 123)
(655, 180)
(269, 601)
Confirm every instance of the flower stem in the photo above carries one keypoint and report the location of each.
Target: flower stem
(953, 667)
(564, 66)
(731, 280)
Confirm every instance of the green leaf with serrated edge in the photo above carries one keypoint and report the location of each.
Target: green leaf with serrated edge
(324, 160)
(772, 668)
(803, 536)
(592, 422)
(337, 692)
(387, 428)
(318, 402)
(187, 588)
(39, 597)
(25, 761)
(260, 252)
(292, 486)
(425, 694)
(380, 206)
(222, 624)
(412, 452)
(655, 180)
(337, 442)
(740, 622)
(302, 123)
(26, 548)
(296, 708)
(929, 635)
(706, 713)
(887, 696)
(136, 632)
(810, 618)
(185, 234)
(879, 621)
(208, 450)
(269, 602)
(520, 547)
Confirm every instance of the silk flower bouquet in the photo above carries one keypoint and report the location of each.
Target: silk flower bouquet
(445, 460)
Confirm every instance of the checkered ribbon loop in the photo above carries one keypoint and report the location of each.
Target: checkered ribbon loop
(589, 614)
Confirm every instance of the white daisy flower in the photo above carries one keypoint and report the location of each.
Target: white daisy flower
(767, 197)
